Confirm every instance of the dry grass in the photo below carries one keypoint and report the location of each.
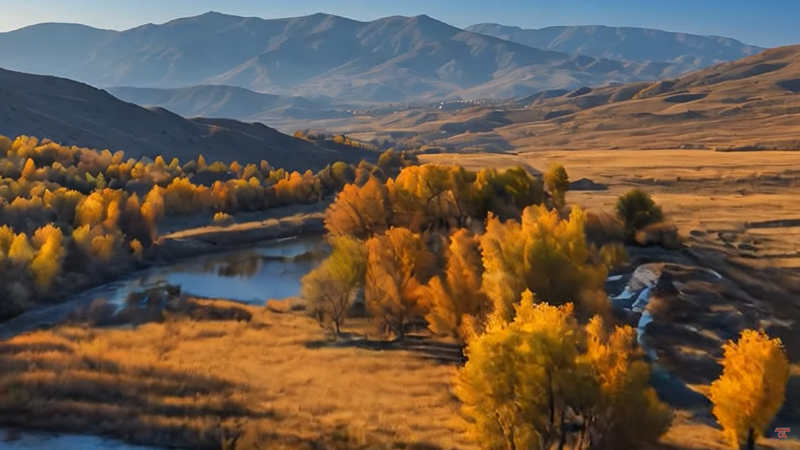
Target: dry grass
(194, 382)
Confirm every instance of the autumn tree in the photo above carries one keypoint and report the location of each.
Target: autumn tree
(457, 294)
(398, 264)
(152, 210)
(517, 375)
(20, 252)
(752, 386)
(431, 196)
(618, 407)
(543, 253)
(541, 381)
(331, 287)
(557, 182)
(47, 262)
(637, 210)
(359, 211)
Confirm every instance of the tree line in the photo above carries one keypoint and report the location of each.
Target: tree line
(70, 216)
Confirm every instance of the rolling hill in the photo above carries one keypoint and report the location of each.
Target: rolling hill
(749, 104)
(73, 113)
(394, 59)
(687, 51)
(225, 101)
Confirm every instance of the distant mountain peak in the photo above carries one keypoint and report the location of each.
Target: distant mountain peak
(688, 51)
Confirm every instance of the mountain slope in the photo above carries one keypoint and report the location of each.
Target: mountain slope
(224, 101)
(688, 51)
(76, 114)
(749, 104)
(391, 59)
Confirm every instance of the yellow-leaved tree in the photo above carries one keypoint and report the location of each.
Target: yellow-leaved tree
(457, 294)
(557, 182)
(359, 211)
(752, 386)
(398, 264)
(330, 288)
(544, 254)
(542, 381)
(47, 262)
(619, 407)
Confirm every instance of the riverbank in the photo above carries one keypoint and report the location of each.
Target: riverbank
(187, 237)
(223, 370)
(250, 229)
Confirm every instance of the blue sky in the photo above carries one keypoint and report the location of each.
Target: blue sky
(760, 22)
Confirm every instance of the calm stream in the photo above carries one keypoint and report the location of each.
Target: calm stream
(254, 275)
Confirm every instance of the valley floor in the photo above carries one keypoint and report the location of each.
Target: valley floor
(218, 370)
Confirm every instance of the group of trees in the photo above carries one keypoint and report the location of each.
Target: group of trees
(448, 245)
(77, 214)
(500, 261)
(467, 253)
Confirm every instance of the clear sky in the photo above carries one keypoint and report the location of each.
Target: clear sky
(759, 22)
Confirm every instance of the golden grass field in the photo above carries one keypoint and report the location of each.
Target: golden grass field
(191, 382)
(276, 381)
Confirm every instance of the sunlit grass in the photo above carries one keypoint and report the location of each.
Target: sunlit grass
(198, 383)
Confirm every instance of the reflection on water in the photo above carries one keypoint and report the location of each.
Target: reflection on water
(270, 271)
(251, 276)
(31, 441)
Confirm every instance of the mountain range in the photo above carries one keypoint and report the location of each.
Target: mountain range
(73, 113)
(748, 104)
(687, 51)
(394, 59)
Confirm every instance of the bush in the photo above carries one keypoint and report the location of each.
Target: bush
(663, 234)
(603, 228)
(222, 218)
(637, 210)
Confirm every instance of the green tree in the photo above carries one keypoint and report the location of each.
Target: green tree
(330, 288)
(637, 210)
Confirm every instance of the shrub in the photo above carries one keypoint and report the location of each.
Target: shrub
(222, 218)
(637, 210)
(603, 228)
(663, 234)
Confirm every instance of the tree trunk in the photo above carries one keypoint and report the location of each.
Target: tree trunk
(562, 441)
(751, 439)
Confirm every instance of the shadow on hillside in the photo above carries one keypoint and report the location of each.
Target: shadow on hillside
(53, 386)
(427, 348)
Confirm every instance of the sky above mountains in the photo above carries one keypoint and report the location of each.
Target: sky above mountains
(766, 23)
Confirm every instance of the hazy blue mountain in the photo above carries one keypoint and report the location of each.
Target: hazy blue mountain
(390, 59)
(73, 113)
(224, 101)
(689, 51)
